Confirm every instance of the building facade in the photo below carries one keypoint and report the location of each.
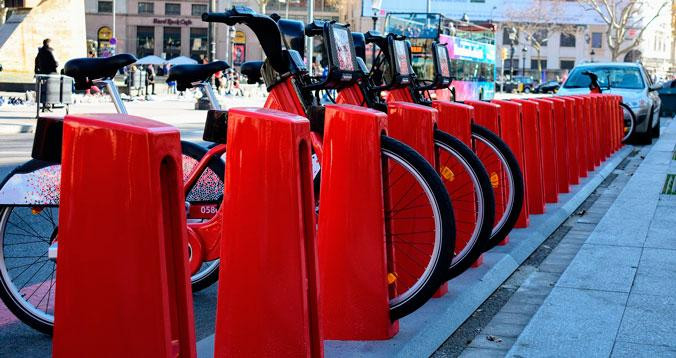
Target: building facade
(146, 27)
(568, 34)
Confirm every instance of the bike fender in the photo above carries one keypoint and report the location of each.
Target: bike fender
(34, 183)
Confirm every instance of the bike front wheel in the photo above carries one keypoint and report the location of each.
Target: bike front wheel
(419, 225)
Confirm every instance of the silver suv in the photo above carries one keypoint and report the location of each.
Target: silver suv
(628, 80)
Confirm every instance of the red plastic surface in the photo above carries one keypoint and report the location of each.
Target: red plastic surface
(123, 272)
(572, 133)
(351, 236)
(583, 135)
(268, 280)
(488, 115)
(548, 140)
(456, 120)
(512, 133)
(561, 134)
(533, 154)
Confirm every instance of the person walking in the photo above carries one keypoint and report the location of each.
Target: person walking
(45, 63)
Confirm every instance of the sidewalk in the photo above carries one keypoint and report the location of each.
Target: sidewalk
(617, 298)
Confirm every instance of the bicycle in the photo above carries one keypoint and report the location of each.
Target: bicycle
(29, 198)
(292, 89)
(464, 176)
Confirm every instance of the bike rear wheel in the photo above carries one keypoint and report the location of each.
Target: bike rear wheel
(506, 179)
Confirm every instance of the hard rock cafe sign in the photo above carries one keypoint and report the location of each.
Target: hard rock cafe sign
(184, 22)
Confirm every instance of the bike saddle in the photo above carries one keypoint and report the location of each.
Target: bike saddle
(252, 71)
(186, 76)
(85, 70)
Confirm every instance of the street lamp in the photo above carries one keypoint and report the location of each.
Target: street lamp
(523, 57)
(375, 7)
(592, 53)
(512, 40)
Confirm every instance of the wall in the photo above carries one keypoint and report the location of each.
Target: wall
(59, 20)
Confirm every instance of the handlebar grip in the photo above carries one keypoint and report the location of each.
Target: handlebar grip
(216, 16)
(314, 28)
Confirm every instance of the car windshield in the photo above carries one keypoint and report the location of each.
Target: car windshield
(609, 77)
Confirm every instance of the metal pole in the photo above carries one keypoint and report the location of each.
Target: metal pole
(113, 18)
(310, 18)
(511, 60)
(286, 14)
(212, 33)
(373, 46)
(429, 6)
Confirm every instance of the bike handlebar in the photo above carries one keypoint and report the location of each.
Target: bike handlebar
(263, 26)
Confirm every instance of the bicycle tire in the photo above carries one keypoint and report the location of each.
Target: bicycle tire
(505, 223)
(482, 195)
(12, 296)
(440, 201)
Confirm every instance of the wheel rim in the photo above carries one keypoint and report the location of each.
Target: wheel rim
(478, 199)
(628, 123)
(392, 216)
(507, 208)
(27, 247)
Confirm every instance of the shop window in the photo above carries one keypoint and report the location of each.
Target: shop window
(199, 45)
(172, 42)
(145, 41)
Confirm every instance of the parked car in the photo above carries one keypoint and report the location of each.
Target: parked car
(629, 80)
(548, 87)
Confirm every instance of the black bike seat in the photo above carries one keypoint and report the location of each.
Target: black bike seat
(186, 75)
(252, 71)
(84, 70)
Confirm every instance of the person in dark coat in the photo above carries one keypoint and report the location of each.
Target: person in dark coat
(45, 63)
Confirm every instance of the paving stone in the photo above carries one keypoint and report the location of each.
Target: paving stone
(523, 297)
(472, 352)
(602, 267)
(650, 320)
(662, 231)
(634, 350)
(500, 343)
(503, 329)
(656, 273)
(520, 307)
(511, 318)
(539, 283)
(581, 323)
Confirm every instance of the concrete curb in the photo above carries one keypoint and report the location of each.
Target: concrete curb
(423, 331)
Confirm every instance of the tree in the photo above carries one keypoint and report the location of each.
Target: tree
(622, 15)
(534, 21)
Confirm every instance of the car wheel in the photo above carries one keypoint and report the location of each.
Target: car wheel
(644, 137)
(527, 90)
(655, 132)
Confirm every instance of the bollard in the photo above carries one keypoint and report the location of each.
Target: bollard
(414, 125)
(533, 155)
(589, 126)
(572, 132)
(597, 129)
(352, 249)
(582, 135)
(488, 115)
(548, 139)
(561, 133)
(123, 282)
(456, 120)
(268, 281)
(511, 132)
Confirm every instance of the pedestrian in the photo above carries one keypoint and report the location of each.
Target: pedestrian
(150, 78)
(45, 63)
